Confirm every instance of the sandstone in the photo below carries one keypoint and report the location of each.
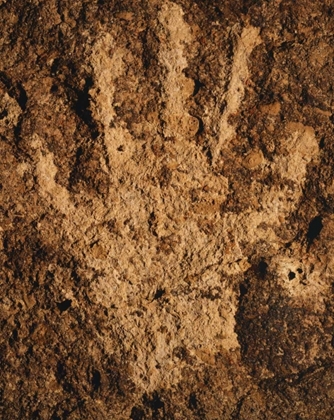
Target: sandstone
(166, 210)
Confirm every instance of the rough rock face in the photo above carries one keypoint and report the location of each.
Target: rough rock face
(166, 209)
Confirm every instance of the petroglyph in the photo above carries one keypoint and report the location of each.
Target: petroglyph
(202, 263)
(166, 208)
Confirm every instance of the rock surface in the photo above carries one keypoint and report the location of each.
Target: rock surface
(166, 209)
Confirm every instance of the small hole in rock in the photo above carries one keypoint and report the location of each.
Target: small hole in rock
(137, 414)
(299, 270)
(63, 306)
(22, 99)
(292, 275)
(197, 86)
(61, 371)
(3, 114)
(314, 229)
(243, 290)
(158, 294)
(96, 380)
(200, 126)
(192, 402)
(15, 335)
(262, 267)
(55, 66)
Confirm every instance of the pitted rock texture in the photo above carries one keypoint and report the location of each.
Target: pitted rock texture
(166, 209)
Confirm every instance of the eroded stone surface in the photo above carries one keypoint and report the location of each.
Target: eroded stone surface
(166, 210)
